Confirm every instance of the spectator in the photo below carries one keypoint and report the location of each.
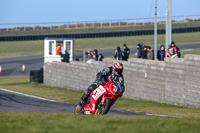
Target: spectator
(161, 53)
(171, 52)
(65, 57)
(176, 48)
(58, 49)
(95, 55)
(91, 54)
(118, 54)
(126, 52)
(144, 52)
(150, 53)
(139, 50)
(100, 58)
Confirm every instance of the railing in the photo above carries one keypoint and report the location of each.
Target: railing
(94, 24)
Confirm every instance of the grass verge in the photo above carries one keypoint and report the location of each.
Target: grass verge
(61, 122)
(21, 84)
(20, 48)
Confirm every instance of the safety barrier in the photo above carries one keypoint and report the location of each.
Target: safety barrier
(97, 34)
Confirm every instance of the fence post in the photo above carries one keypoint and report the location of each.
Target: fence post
(33, 26)
(135, 22)
(50, 26)
(85, 25)
(41, 26)
(93, 24)
(76, 25)
(7, 27)
(24, 27)
(143, 21)
(119, 23)
(184, 19)
(127, 22)
(101, 24)
(110, 23)
(16, 28)
(67, 25)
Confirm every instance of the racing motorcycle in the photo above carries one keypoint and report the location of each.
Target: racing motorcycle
(101, 99)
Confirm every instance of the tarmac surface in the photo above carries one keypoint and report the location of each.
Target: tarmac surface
(11, 101)
(12, 66)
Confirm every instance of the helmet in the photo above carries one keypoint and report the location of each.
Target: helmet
(118, 68)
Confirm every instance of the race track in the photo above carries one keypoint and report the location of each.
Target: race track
(11, 101)
(13, 66)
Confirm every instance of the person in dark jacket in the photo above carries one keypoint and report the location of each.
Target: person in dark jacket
(65, 57)
(161, 53)
(144, 52)
(177, 50)
(100, 58)
(139, 50)
(95, 55)
(118, 54)
(126, 52)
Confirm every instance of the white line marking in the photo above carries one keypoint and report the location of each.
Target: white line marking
(27, 95)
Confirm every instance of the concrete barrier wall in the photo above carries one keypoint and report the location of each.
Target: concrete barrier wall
(174, 81)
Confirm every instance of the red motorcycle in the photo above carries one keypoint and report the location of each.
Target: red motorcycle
(101, 99)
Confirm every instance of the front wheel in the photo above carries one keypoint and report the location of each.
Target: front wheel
(104, 108)
(78, 110)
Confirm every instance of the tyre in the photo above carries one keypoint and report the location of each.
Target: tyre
(104, 108)
(78, 110)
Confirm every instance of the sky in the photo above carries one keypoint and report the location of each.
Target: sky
(29, 11)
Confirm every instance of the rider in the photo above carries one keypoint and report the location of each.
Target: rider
(114, 73)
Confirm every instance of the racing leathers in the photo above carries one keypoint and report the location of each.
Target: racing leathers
(102, 78)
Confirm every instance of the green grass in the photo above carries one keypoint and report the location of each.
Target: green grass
(60, 123)
(60, 31)
(34, 122)
(20, 48)
(197, 52)
(21, 84)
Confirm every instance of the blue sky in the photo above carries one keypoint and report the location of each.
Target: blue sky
(24, 11)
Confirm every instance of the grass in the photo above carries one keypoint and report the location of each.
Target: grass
(60, 31)
(33, 122)
(197, 52)
(20, 48)
(21, 84)
(60, 123)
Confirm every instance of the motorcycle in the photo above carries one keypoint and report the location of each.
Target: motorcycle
(101, 99)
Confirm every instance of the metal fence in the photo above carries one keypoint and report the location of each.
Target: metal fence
(94, 24)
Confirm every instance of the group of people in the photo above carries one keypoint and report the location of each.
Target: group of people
(122, 55)
(94, 55)
(145, 52)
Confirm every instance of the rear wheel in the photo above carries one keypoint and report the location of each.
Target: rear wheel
(104, 108)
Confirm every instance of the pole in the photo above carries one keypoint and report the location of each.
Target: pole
(155, 32)
(168, 28)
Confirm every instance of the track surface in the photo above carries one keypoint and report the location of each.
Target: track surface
(15, 102)
(13, 66)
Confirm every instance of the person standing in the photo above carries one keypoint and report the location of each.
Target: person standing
(176, 48)
(95, 55)
(65, 57)
(144, 52)
(171, 52)
(118, 54)
(126, 52)
(161, 53)
(139, 50)
(58, 49)
(100, 58)
(150, 53)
